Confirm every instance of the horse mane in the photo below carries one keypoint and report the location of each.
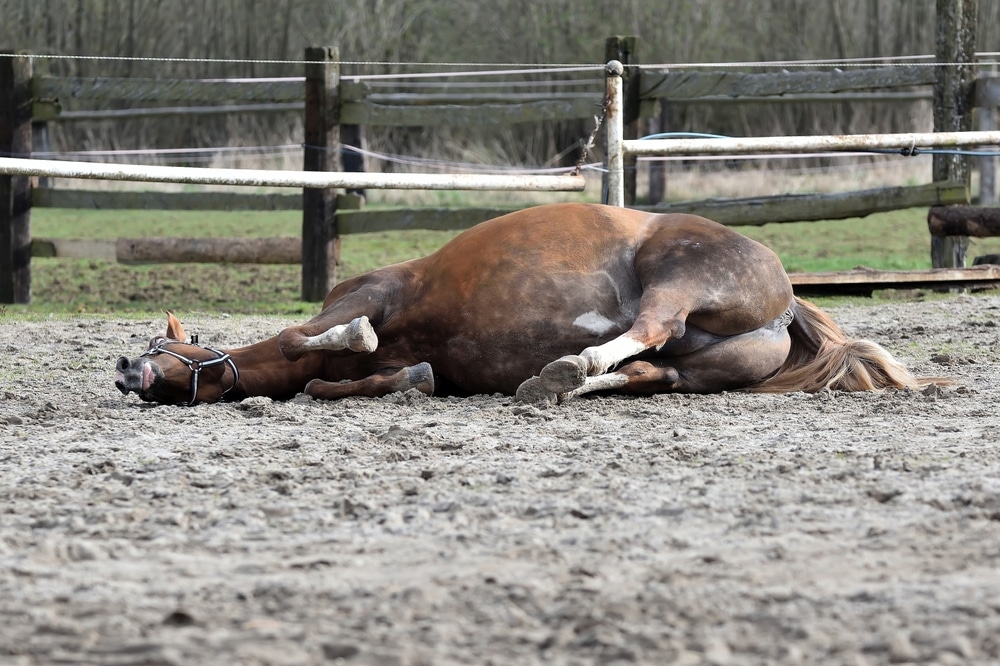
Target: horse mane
(823, 357)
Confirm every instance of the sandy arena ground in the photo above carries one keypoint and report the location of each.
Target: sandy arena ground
(724, 529)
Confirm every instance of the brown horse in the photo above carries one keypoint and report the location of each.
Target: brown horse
(547, 303)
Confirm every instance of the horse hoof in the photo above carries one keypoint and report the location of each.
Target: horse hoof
(531, 391)
(564, 374)
(360, 336)
(318, 389)
(421, 377)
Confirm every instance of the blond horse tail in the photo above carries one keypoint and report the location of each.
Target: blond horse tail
(823, 357)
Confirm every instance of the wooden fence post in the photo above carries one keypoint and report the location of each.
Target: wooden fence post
(320, 240)
(953, 103)
(15, 191)
(623, 49)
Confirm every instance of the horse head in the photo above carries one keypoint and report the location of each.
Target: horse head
(172, 371)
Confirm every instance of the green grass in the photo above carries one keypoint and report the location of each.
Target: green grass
(896, 240)
(112, 224)
(360, 253)
(95, 286)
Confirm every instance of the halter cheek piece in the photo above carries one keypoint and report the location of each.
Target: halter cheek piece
(196, 366)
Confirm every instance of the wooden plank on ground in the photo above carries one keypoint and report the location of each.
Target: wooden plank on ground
(756, 211)
(866, 280)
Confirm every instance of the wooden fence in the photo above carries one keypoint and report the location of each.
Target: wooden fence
(336, 108)
(958, 97)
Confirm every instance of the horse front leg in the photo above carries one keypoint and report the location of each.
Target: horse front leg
(419, 376)
(358, 335)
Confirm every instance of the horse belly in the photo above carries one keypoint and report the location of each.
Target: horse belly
(572, 309)
(502, 337)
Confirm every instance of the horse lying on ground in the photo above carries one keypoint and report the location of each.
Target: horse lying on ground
(547, 303)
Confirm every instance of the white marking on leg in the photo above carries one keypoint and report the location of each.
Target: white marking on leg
(594, 322)
(332, 339)
(602, 357)
(357, 336)
(599, 383)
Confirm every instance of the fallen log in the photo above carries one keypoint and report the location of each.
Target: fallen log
(276, 250)
(73, 248)
(976, 221)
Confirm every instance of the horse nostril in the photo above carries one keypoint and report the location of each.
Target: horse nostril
(122, 364)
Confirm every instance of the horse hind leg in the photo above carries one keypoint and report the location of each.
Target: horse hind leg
(733, 363)
(571, 372)
(358, 335)
(662, 320)
(419, 377)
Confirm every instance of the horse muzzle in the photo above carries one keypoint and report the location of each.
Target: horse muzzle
(137, 375)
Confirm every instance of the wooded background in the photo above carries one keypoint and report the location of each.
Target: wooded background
(434, 31)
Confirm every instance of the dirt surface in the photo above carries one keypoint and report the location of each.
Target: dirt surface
(723, 529)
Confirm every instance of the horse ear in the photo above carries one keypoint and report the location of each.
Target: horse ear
(174, 329)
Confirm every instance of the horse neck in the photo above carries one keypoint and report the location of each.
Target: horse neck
(264, 371)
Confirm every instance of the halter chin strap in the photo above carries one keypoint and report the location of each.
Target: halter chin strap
(196, 366)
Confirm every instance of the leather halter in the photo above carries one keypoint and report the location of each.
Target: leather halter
(196, 366)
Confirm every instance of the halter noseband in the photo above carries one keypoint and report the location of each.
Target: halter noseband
(196, 366)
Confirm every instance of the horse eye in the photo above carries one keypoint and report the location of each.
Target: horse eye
(157, 341)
